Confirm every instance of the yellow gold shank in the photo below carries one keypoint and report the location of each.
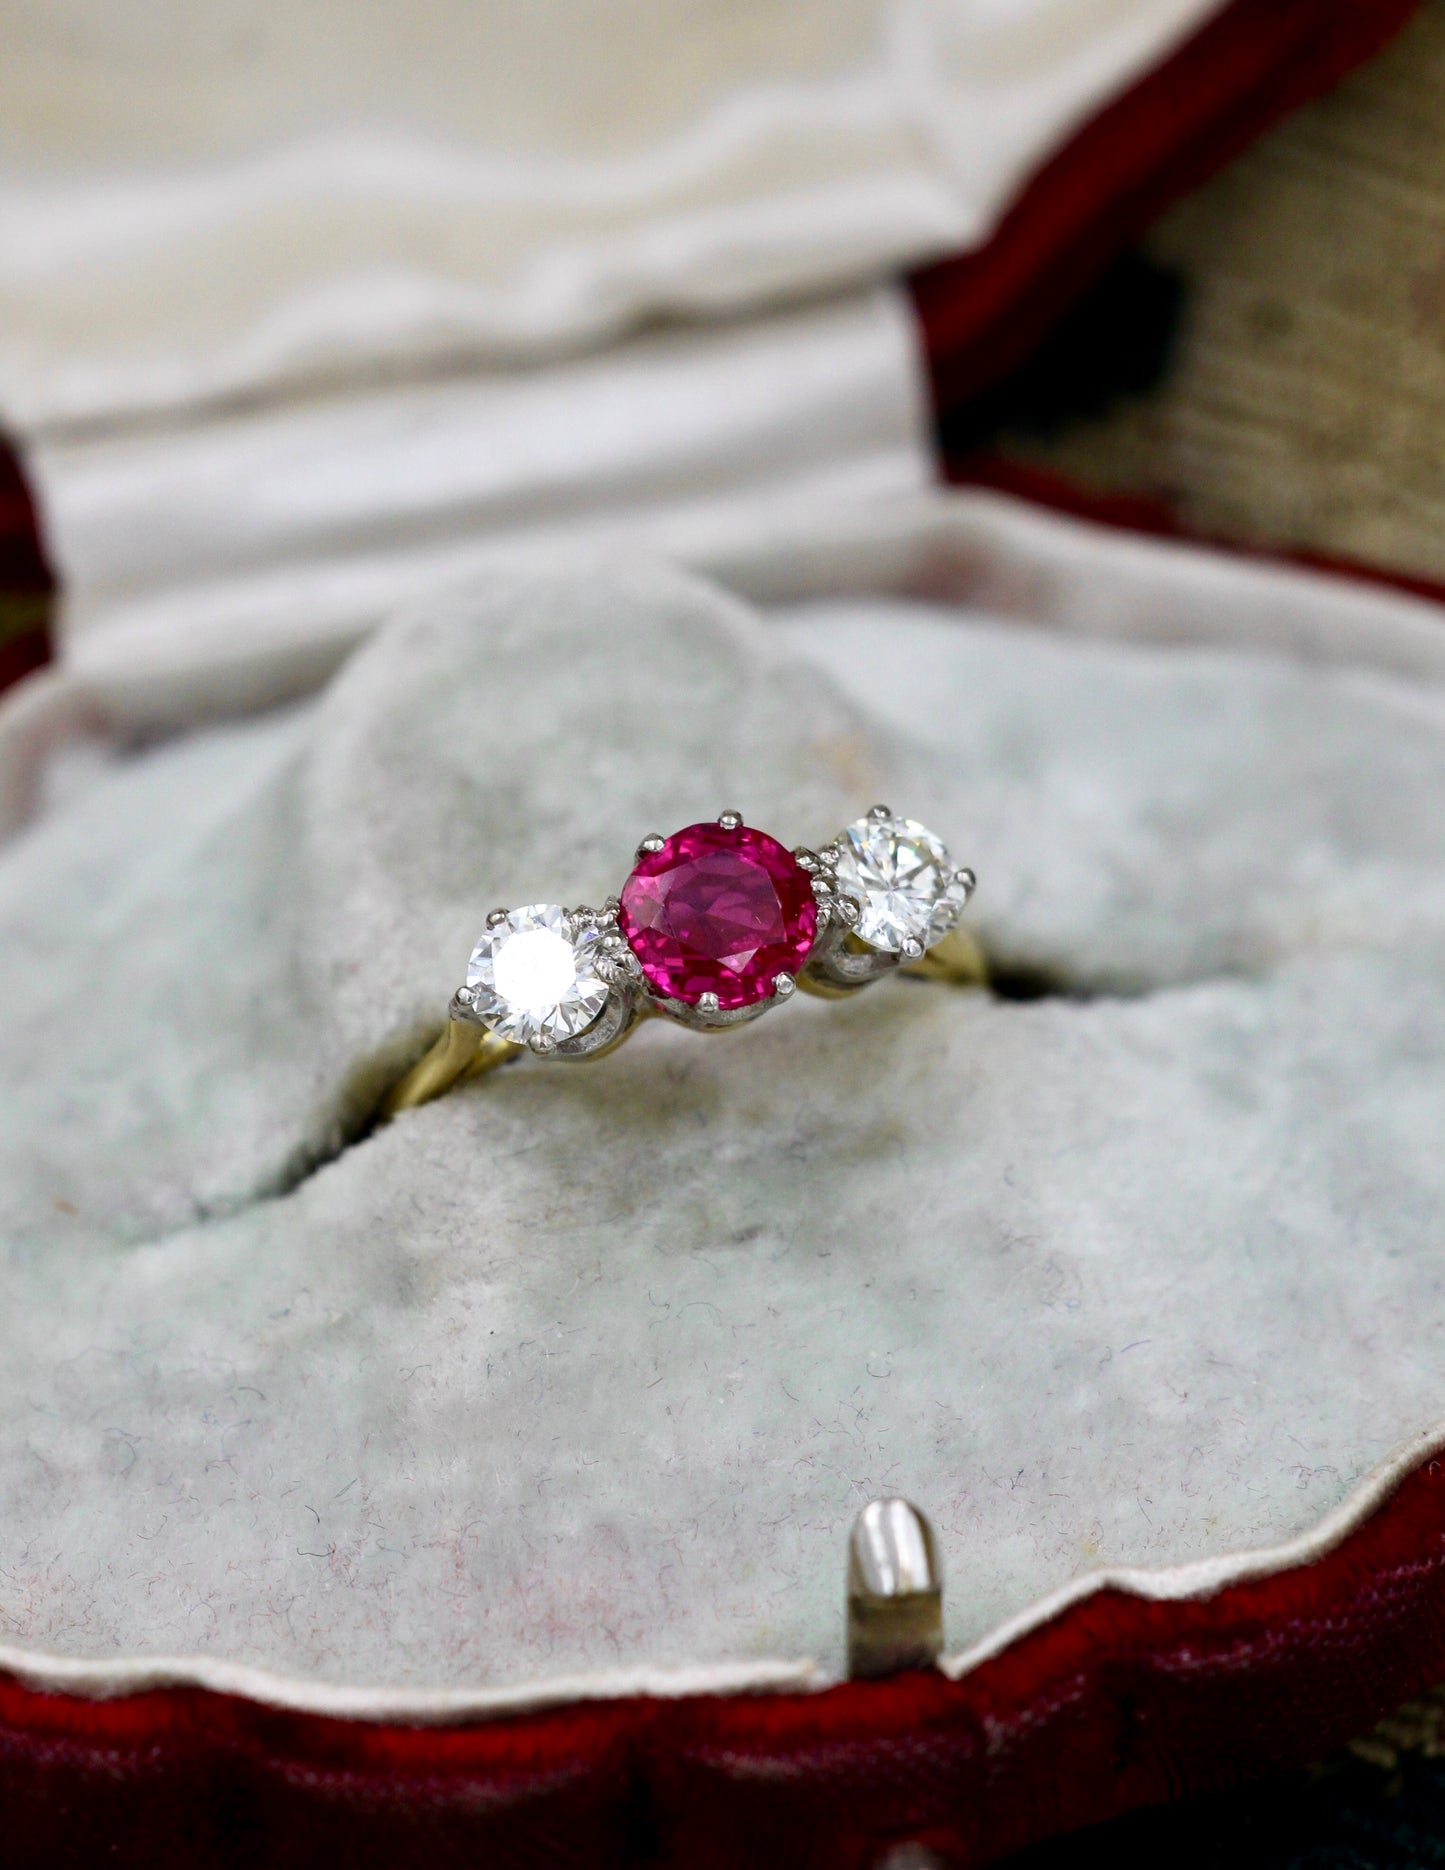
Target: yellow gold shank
(464, 1050)
(957, 959)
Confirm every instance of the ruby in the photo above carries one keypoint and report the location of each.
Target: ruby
(719, 909)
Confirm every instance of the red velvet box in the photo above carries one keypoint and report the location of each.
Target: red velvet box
(1116, 1698)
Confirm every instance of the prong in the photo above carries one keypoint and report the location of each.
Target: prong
(730, 820)
(845, 907)
(496, 918)
(912, 949)
(616, 948)
(807, 860)
(828, 856)
(966, 880)
(651, 844)
(542, 1045)
(708, 1003)
(783, 985)
(465, 996)
(879, 811)
(617, 966)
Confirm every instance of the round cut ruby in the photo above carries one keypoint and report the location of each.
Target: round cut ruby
(718, 910)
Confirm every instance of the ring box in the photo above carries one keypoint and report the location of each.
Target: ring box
(550, 1687)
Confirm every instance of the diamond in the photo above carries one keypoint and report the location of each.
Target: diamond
(903, 881)
(532, 980)
(719, 909)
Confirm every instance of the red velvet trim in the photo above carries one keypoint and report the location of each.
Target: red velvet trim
(1156, 518)
(983, 313)
(26, 584)
(24, 652)
(1118, 1702)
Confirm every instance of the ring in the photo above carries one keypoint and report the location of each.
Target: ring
(715, 925)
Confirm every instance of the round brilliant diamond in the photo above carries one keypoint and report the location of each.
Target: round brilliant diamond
(903, 881)
(532, 981)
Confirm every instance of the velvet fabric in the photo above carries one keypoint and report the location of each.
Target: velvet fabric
(1323, 897)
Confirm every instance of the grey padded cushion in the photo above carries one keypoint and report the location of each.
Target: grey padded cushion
(583, 1369)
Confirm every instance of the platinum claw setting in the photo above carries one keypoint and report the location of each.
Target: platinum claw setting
(715, 924)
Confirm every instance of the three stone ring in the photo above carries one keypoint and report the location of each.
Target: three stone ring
(715, 925)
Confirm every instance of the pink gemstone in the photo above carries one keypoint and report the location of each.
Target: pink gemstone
(718, 911)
